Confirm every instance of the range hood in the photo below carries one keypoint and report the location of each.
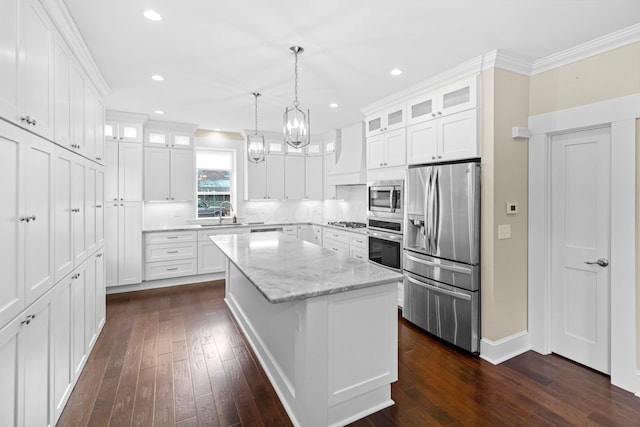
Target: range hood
(349, 167)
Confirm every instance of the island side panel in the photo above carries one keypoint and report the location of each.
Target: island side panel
(362, 352)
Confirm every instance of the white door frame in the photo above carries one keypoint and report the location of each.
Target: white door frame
(620, 114)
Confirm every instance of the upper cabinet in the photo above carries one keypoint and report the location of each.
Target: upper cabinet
(123, 131)
(456, 97)
(389, 119)
(26, 66)
(169, 162)
(438, 125)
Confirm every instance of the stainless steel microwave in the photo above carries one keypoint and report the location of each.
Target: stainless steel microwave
(386, 198)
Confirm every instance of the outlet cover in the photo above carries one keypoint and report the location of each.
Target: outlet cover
(504, 231)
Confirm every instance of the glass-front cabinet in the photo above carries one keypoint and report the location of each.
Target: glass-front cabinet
(453, 98)
(387, 120)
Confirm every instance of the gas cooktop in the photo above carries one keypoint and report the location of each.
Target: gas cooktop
(347, 224)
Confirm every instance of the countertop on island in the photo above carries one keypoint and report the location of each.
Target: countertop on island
(284, 268)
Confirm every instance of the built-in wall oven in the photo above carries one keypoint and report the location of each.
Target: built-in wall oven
(385, 223)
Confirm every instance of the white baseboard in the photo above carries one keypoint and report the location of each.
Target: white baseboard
(497, 352)
(637, 393)
(165, 283)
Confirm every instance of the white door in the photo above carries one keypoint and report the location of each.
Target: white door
(111, 243)
(580, 317)
(130, 172)
(257, 180)
(275, 177)
(64, 255)
(395, 148)
(294, 188)
(130, 243)
(157, 170)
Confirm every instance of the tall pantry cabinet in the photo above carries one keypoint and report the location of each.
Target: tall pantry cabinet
(123, 198)
(52, 298)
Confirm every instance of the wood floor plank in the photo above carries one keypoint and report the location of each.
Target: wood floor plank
(164, 415)
(144, 398)
(131, 377)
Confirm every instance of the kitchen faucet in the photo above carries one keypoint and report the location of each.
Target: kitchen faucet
(230, 209)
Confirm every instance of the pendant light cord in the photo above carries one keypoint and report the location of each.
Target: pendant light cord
(256, 95)
(295, 102)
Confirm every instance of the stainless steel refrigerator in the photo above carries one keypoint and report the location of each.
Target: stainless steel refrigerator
(442, 251)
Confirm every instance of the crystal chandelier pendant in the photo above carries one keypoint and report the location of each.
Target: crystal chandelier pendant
(255, 142)
(295, 120)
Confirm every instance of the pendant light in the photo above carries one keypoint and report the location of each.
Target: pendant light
(296, 121)
(255, 142)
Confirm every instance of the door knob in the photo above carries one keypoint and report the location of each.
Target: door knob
(602, 262)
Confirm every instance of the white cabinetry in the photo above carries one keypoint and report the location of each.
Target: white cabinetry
(443, 124)
(294, 177)
(266, 179)
(171, 254)
(123, 210)
(169, 174)
(386, 120)
(122, 130)
(387, 149)
(164, 137)
(313, 177)
(346, 243)
(336, 240)
(123, 172)
(210, 258)
(290, 230)
(123, 244)
(448, 138)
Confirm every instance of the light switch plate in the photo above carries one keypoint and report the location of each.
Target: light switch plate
(504, 231)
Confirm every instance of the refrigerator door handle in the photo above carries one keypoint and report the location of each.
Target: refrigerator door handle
(454, 294)
(448, 267)
(426, 212)
(436, 212)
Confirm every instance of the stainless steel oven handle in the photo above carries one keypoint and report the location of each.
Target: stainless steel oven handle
(394, 237)
(439, 290)
(442, 266)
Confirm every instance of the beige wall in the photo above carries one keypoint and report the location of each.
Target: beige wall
(504, 179)
(606, 76)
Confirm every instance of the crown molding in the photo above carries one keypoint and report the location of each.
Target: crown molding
(66, 26)
(124, 116)
(466, 69)
(173, 126)
(594, 47)
(506, 61)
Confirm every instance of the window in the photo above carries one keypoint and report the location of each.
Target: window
(215, 183)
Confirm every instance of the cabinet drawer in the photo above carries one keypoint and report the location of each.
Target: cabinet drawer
(203, 236)
(336, 246)
(358, 240)
(360, 253)
(170, 251)
(170, 237)
(339, 235)
(290, 230)
(166, 269)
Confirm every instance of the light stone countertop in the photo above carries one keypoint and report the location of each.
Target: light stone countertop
(187, 227)
(284, 268)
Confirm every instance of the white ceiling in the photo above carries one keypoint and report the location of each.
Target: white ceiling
(214, 53)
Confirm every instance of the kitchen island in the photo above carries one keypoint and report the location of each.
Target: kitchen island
(323, 325)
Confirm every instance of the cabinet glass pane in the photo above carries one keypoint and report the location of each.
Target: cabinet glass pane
(374, 124)
(157, 138)
(130, 132)
(313, 149)
(182, 140)
(422, 109)
(331, 146)
(394, 118)
(457, 97)
(275, 147)
(294, 150)
(108, 130)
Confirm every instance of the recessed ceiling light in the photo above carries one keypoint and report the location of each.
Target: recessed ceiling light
(157, 77)
(333, 105)
(396, 72)
(216, 130)
(152, 15)
(159, 112)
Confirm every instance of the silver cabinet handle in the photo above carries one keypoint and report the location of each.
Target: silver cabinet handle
(172, 269)
(602, 262)
(172, 252)
(98, 206)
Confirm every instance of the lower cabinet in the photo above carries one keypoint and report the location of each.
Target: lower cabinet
(210, 258)
(170, 254)
(123, 226)
(346, 243)
(44, 348)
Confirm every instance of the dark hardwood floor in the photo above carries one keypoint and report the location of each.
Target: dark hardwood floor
(175, 356)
